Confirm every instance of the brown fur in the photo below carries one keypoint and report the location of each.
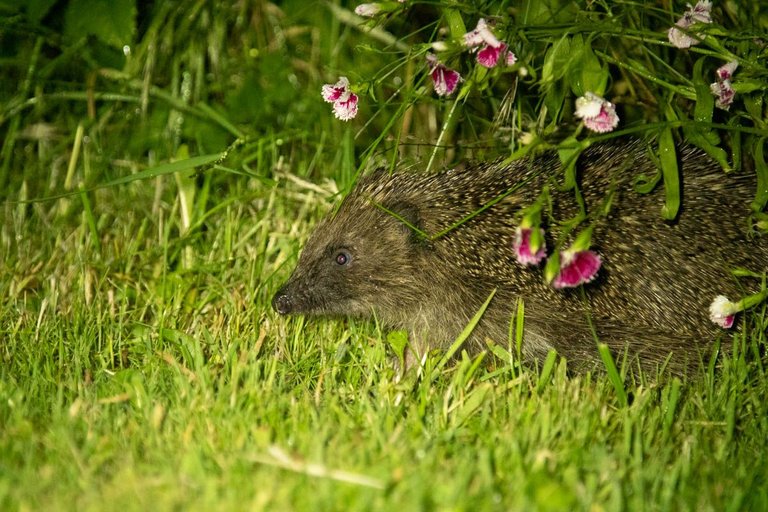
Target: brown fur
(651, 298)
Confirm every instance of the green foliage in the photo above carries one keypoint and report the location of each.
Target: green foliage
(113, 22)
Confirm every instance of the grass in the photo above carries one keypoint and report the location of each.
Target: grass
(142, 365)
(128, 383)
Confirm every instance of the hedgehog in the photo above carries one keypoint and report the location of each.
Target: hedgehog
(423, 252)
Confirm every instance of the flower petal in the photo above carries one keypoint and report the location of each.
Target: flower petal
(588, 105)
(599, 114)
(680, 39)
(346, 108)
(334, 92)
(607, 120)
(481, 35)
(725, 72)
(523, 250)
(444, 79)
(486, 34)
(723, 312)
(367, 10)
(700, 13)
(577, 268)
(724, 92)
(488, 56)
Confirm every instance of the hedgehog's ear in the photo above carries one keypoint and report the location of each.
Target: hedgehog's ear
(409, 217)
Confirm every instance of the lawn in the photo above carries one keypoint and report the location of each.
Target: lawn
(161, 166)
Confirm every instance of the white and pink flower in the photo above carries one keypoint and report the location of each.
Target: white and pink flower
(723, 312)
(576, 268)
(525, 252)
(368, 10)
(700, 13)
(343, 99)
(490, 50)
(332, 92)
(723, 88)
(725, 72)
(480, 35)
(489, 56)
(444, 79)
(599, 115)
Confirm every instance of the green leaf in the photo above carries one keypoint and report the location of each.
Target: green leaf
(613, 373)
(473, 402)
(761, 168)
(552, 268)
(162, 169)
(113, 22)
(568, 151)
(701, 135)
(754, 106)
(455, 22)
(670, 173)
(398, 340)
(669, 402)
(572, 63)
(556, 61)
(546, 370)
(642, 183)
(583, 240)
(745, 86)
(519, 323)
(554, 100)
(699, 139)
(542, 12)
(586, 74)
(36, 9)
(736, 141)
(705, 101)
(465, 333)
(187, 190)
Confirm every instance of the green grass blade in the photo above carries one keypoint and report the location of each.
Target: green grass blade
(464, 333)
(670, 173)
(613, 373)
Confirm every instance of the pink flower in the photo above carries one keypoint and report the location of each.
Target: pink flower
(599, 115)
(332, 92)
(722, 88)
(444, 79)
(724, 92)
(523, 250)
(367, 10)
(481, 35)
(577, 268)
(492, 49)
(700, 13)
(725, 72)
(344, 101)
(488, 56)
(723, 312)
(345, 109)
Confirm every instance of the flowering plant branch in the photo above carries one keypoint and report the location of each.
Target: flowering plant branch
(591, 78)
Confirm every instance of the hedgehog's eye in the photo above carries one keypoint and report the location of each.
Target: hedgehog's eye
(342, 258)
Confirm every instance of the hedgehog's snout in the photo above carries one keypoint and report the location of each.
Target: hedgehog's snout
(282, 302)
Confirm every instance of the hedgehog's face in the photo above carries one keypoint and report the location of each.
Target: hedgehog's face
(358, 262)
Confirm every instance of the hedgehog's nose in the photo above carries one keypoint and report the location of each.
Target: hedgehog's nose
(281, 303)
